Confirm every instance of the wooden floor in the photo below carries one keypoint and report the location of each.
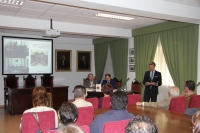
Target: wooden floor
(9, 123)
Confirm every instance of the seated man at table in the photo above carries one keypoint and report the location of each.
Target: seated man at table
(141, 124)
(188, 90)
(79, 96)
(119, 101)
(109, 80)
(173, 92)
(90, 82)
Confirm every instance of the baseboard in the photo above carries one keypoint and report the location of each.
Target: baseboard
(1, 106)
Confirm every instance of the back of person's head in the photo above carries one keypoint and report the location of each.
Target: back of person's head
(68, 113)
(119, 100)
(190, 84)
(196, 122)
(71, 128)
(108, 89)
(174, 91)
(79, 91)
(39, 96)
(141, 124)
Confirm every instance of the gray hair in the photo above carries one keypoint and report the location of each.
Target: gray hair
(174, 91)
(71, 128)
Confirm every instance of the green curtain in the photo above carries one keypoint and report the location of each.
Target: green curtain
(119, 55)
(180, 48)
(144, 48)
(100, 54)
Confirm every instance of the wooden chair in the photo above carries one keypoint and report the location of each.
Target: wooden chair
(136, 87)
(12, 82)
(118, 83)
(29, 81)
(46, 80)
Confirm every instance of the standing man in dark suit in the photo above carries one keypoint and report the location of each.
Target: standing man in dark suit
(152, 79)
(109, 80)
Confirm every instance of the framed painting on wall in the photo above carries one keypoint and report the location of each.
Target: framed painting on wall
(63, 60)
(131, 51)
(83, 60)
(131, 68)
(131, 60)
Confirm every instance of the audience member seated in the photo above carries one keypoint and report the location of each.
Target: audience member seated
(188, 90)
(191, 111)
(173, 92)
(40, 100)
(109, 80)
(119, 102)
(79, 96)
(107, 91)
(90, 82)
(67, 113)
(141, 124)
(196, 122)
(71, 128)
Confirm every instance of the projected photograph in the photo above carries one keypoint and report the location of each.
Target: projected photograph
(63, 60)
(39, 57)
(83, 60)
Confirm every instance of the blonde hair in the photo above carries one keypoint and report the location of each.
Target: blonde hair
(70, 128)
(39, 96)
(196, 122)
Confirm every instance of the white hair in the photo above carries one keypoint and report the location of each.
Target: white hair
(174, 91)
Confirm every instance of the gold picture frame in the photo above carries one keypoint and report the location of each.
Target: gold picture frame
(63, 60)
(83, 61)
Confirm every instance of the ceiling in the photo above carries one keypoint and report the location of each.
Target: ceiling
(79, 15)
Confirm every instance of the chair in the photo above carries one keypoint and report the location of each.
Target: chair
(29, 81)
(94, 102)
(118, 83)
(178, 104)
(105, 102)
(12, 82)
(194, 102)
(136, 87)
(133, 99)
(46, 80)
(85, 128)
(29, 124)
(85, 115)
(115, 126)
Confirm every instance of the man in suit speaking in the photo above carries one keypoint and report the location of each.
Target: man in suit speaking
(152, 79)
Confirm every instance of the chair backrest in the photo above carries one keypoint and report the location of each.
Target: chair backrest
(136, 87)
(29, 124)
(46, 80)
(11, 81)
(118, 83)
(85, 128)
(94, 102)
(133, 99)
(105, 102)
(194, 102)
(115, 126)
(178, 104)
(29, 81)
(85, 115)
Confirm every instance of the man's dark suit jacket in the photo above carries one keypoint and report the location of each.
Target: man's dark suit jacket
(87, 83)
(112, 82)
(157, 78)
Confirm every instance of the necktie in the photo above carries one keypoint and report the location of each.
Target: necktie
(151, 75)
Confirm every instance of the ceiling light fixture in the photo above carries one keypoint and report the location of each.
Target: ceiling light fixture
(113, 16)
(14, 2)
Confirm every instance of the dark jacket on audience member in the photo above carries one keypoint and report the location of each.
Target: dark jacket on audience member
(112, 115)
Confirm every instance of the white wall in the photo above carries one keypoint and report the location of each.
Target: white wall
(198, 67)
(63, 78)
